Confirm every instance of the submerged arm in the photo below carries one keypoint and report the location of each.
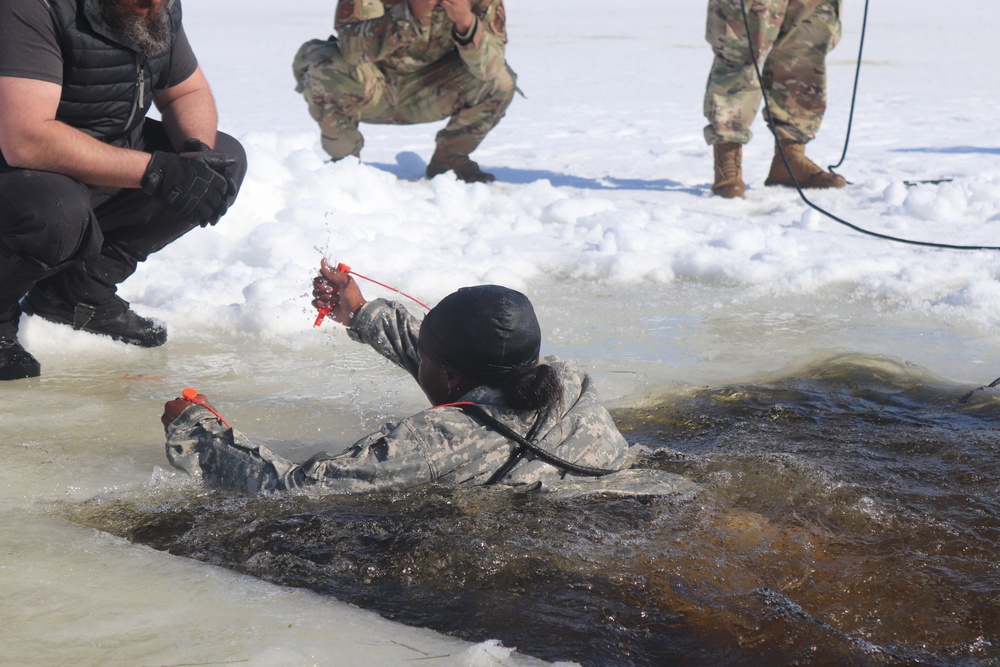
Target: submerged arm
(199, 444)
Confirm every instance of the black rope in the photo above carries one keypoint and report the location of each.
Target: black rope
(965, 398)
(516, 455)
(502, 471)
(854, 94)
(478, 413)
(784, 159)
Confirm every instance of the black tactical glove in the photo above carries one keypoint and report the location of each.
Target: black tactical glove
(190, 183)
(219, 162)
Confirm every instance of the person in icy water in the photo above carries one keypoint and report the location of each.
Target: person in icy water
(499, 415)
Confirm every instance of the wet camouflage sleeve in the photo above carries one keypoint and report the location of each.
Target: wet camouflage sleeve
(485, 55)
(199, 444)
(391, 331)
(394, 39)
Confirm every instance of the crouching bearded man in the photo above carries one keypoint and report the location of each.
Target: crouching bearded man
(404, 62)
(90, 187)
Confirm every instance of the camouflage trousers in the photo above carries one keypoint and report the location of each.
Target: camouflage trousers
(791, 39)
(341, 96)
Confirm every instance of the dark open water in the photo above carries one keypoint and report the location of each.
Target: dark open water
(848, 514)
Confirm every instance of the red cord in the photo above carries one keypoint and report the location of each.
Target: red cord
(191, 395)
(372, 280)
(343, 268)
(453, 405)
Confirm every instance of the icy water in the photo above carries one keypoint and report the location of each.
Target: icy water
(840, 507)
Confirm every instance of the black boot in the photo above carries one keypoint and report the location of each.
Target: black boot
(17, 275)
(114, 318)
(15, 362)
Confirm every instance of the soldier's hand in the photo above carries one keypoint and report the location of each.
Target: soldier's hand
(221, 163)
(173, 409)
(336, 290)
(460, 13)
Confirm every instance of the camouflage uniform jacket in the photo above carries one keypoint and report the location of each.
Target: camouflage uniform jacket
(441, 444)
(387, 34)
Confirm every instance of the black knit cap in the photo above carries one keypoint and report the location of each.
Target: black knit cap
(482, 332)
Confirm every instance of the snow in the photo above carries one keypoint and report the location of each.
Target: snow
(603, 177)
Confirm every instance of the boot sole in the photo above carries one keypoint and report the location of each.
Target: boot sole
(21, 374)
(27, 368)
(27, 308)
(730, 192)
(805, 186)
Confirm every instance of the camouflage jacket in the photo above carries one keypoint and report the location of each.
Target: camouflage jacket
(385, 33)
(441, 444)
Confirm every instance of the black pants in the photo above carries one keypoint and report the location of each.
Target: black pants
(79, 241)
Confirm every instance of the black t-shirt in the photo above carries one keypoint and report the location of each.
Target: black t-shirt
(29, 45)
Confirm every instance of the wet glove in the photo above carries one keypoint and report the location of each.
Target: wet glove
(190, 183)
(173, 409)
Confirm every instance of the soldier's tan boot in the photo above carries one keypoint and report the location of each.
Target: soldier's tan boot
(463, 166)
(728, 170)
(806, 172)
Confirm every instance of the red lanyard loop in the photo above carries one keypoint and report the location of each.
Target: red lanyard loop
(191, 395)
(323, 312)
(344, 268)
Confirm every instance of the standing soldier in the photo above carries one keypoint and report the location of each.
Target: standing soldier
(404, 62)
(791, 39)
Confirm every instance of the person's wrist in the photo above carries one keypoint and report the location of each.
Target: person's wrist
(463, 38)
(152, 177)
(194, 145)
(356, 310)
(355, 315)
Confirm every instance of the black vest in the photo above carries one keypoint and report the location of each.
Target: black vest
(108, 84)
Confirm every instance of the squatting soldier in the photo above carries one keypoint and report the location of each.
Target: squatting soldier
(89, 186)
(500, 414)
(791, 39)
(404, 62)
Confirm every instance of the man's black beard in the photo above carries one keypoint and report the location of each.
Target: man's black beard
(150, 33)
